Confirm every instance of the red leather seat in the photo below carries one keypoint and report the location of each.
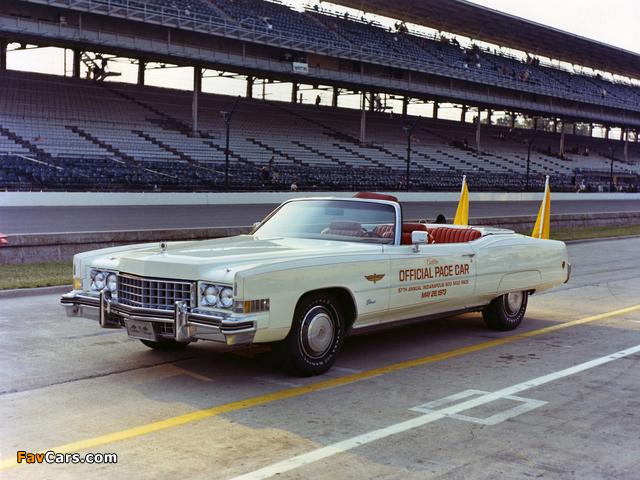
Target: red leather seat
(452, 235)
(385, 231)
(407, 228)
(344, 228)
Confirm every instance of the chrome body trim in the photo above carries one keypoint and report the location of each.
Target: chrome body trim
(189, 324)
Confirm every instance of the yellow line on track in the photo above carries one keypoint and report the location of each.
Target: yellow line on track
(294, 392)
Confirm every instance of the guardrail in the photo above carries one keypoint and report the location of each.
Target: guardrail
(59, 247)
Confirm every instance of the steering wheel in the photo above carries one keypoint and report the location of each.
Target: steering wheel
(370, 234)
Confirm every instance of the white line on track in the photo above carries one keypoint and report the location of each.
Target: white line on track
(345, 445)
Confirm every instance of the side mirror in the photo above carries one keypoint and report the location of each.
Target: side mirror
(255, 225)
(417, 238)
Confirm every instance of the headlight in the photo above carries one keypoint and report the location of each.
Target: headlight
(210, 296)
(112, 282)
(226, 298)
(217, 296)
(101, 280)
(97, 280)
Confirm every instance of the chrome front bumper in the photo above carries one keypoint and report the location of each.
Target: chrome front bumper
(183, 323)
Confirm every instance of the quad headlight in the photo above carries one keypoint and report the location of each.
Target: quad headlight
(217, 296)
(103, 280)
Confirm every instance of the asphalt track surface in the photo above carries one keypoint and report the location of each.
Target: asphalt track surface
(449, 399)
(26, 220)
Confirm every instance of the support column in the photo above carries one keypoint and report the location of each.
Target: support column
(513, 119)
(3, 54)
(363, 120)
(463, 114)
(77, 56)
(142, 65)
(435, 109)
(625, 132)
(562, 139)
(334, 98)
(197, 86)
(489, 115)
(478, 131)
(405, 104)
(250, 81)
(294, 92)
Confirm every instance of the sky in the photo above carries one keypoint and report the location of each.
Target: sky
(614, 22)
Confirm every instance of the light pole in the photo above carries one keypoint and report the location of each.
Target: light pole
(530, 142)
(227, 117)
(409, 132)
(612, 159)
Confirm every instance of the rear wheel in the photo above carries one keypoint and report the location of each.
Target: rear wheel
(167, 344)
(315, 338)
(506, 312)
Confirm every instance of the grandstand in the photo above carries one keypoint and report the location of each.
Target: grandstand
(72, 134)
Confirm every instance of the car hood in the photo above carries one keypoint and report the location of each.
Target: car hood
(220, 259)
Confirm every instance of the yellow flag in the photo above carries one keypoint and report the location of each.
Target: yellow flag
(462, 214)
(541, 228)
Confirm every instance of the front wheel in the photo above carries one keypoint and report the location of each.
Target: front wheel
(315, 338)
(506, 312)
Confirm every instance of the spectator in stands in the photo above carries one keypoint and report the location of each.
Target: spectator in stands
(267, 21)
(318, 100)
(275, 177)
(399, 184)
(294, 186)
(265, 174)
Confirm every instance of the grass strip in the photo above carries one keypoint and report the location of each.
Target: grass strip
(29, 275)
(570, 234)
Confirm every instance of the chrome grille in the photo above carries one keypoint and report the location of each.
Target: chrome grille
(152, 292)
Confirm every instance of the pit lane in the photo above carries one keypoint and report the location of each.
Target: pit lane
(213, 411)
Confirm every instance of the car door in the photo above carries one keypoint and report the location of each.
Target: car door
(437, 278)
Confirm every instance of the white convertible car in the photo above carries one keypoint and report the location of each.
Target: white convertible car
(314, 271)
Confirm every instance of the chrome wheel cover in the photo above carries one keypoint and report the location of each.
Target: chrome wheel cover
(317, 332)
(513, 302)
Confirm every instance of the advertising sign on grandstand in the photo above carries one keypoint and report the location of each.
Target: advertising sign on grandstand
(300, 67)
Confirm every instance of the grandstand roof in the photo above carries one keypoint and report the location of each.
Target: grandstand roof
(488, 25)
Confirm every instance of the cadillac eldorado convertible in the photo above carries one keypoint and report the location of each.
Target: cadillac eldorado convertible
(314, 271)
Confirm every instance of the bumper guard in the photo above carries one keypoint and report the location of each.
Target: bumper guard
(189, 324)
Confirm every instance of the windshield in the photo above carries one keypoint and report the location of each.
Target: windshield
(332, 219)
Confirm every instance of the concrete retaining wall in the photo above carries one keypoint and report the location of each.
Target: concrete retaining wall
(58, 247)
(68, 199)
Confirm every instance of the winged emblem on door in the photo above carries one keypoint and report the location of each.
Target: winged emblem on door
(375, 277)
